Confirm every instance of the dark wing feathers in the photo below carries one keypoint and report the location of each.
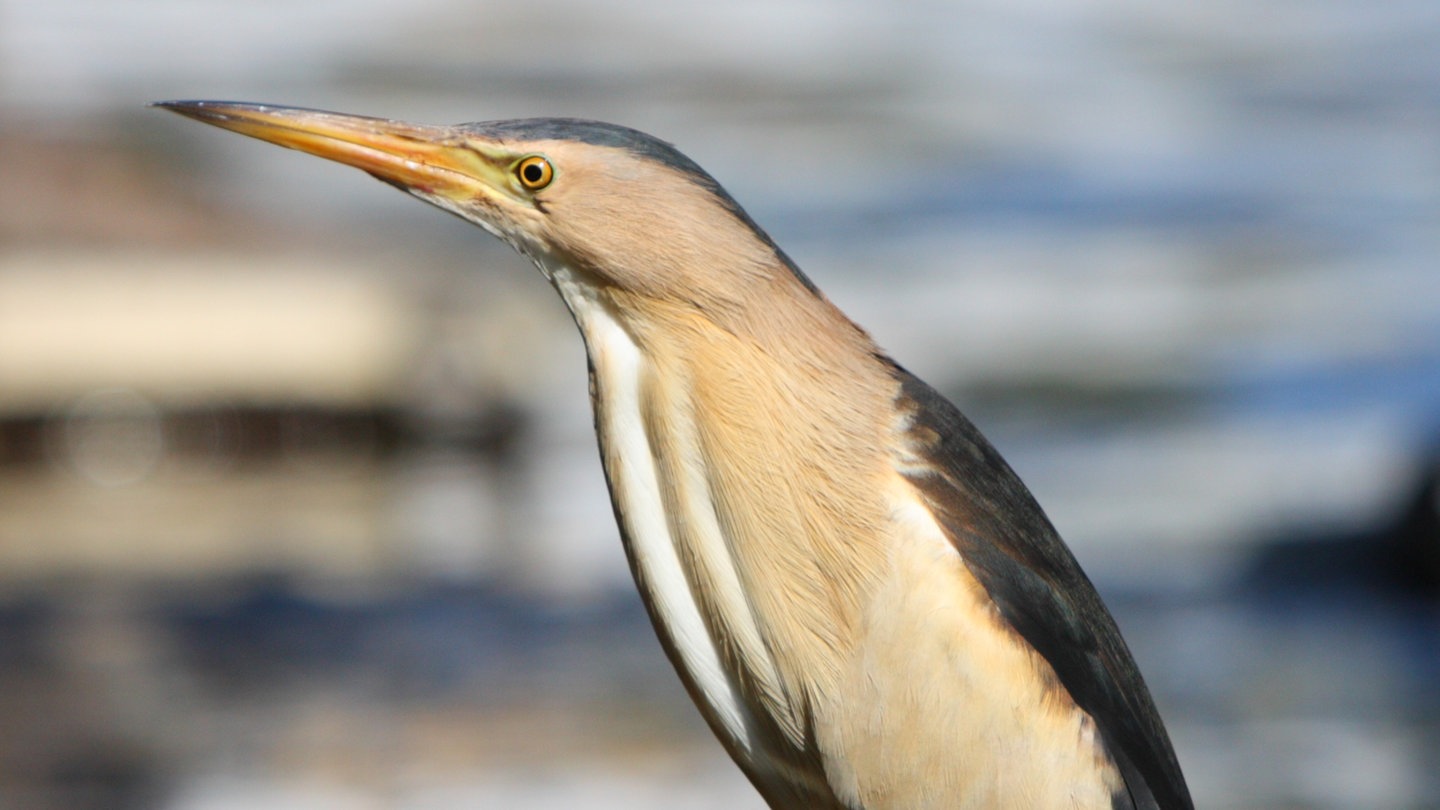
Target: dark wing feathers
(1012, 549)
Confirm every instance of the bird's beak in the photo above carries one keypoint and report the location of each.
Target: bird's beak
(431, 160)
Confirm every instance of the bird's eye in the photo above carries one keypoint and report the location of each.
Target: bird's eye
(534, 172)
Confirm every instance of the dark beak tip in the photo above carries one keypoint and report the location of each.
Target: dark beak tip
(209, 108)
(190, 109)
(179, 104)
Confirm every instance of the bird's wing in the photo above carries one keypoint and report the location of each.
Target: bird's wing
(1009, 545)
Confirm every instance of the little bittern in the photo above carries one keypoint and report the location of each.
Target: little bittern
(866, 604)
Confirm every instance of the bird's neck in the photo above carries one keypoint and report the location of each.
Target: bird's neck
(738, 468)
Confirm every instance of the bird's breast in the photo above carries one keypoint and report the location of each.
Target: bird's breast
(726, 538)
(672, 537)
(634, 476)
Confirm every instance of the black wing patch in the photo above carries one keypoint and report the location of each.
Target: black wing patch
(1009, 545)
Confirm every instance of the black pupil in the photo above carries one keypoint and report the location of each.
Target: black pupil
(533, 172)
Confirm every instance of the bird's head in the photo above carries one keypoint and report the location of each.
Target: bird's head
(619, 208)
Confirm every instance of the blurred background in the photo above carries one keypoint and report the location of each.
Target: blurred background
(299, 501)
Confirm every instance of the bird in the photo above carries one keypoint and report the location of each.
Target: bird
(866, 604)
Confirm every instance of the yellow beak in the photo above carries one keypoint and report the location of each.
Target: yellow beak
(427, 159)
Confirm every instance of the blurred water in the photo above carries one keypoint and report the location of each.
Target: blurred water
(1179, 262)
